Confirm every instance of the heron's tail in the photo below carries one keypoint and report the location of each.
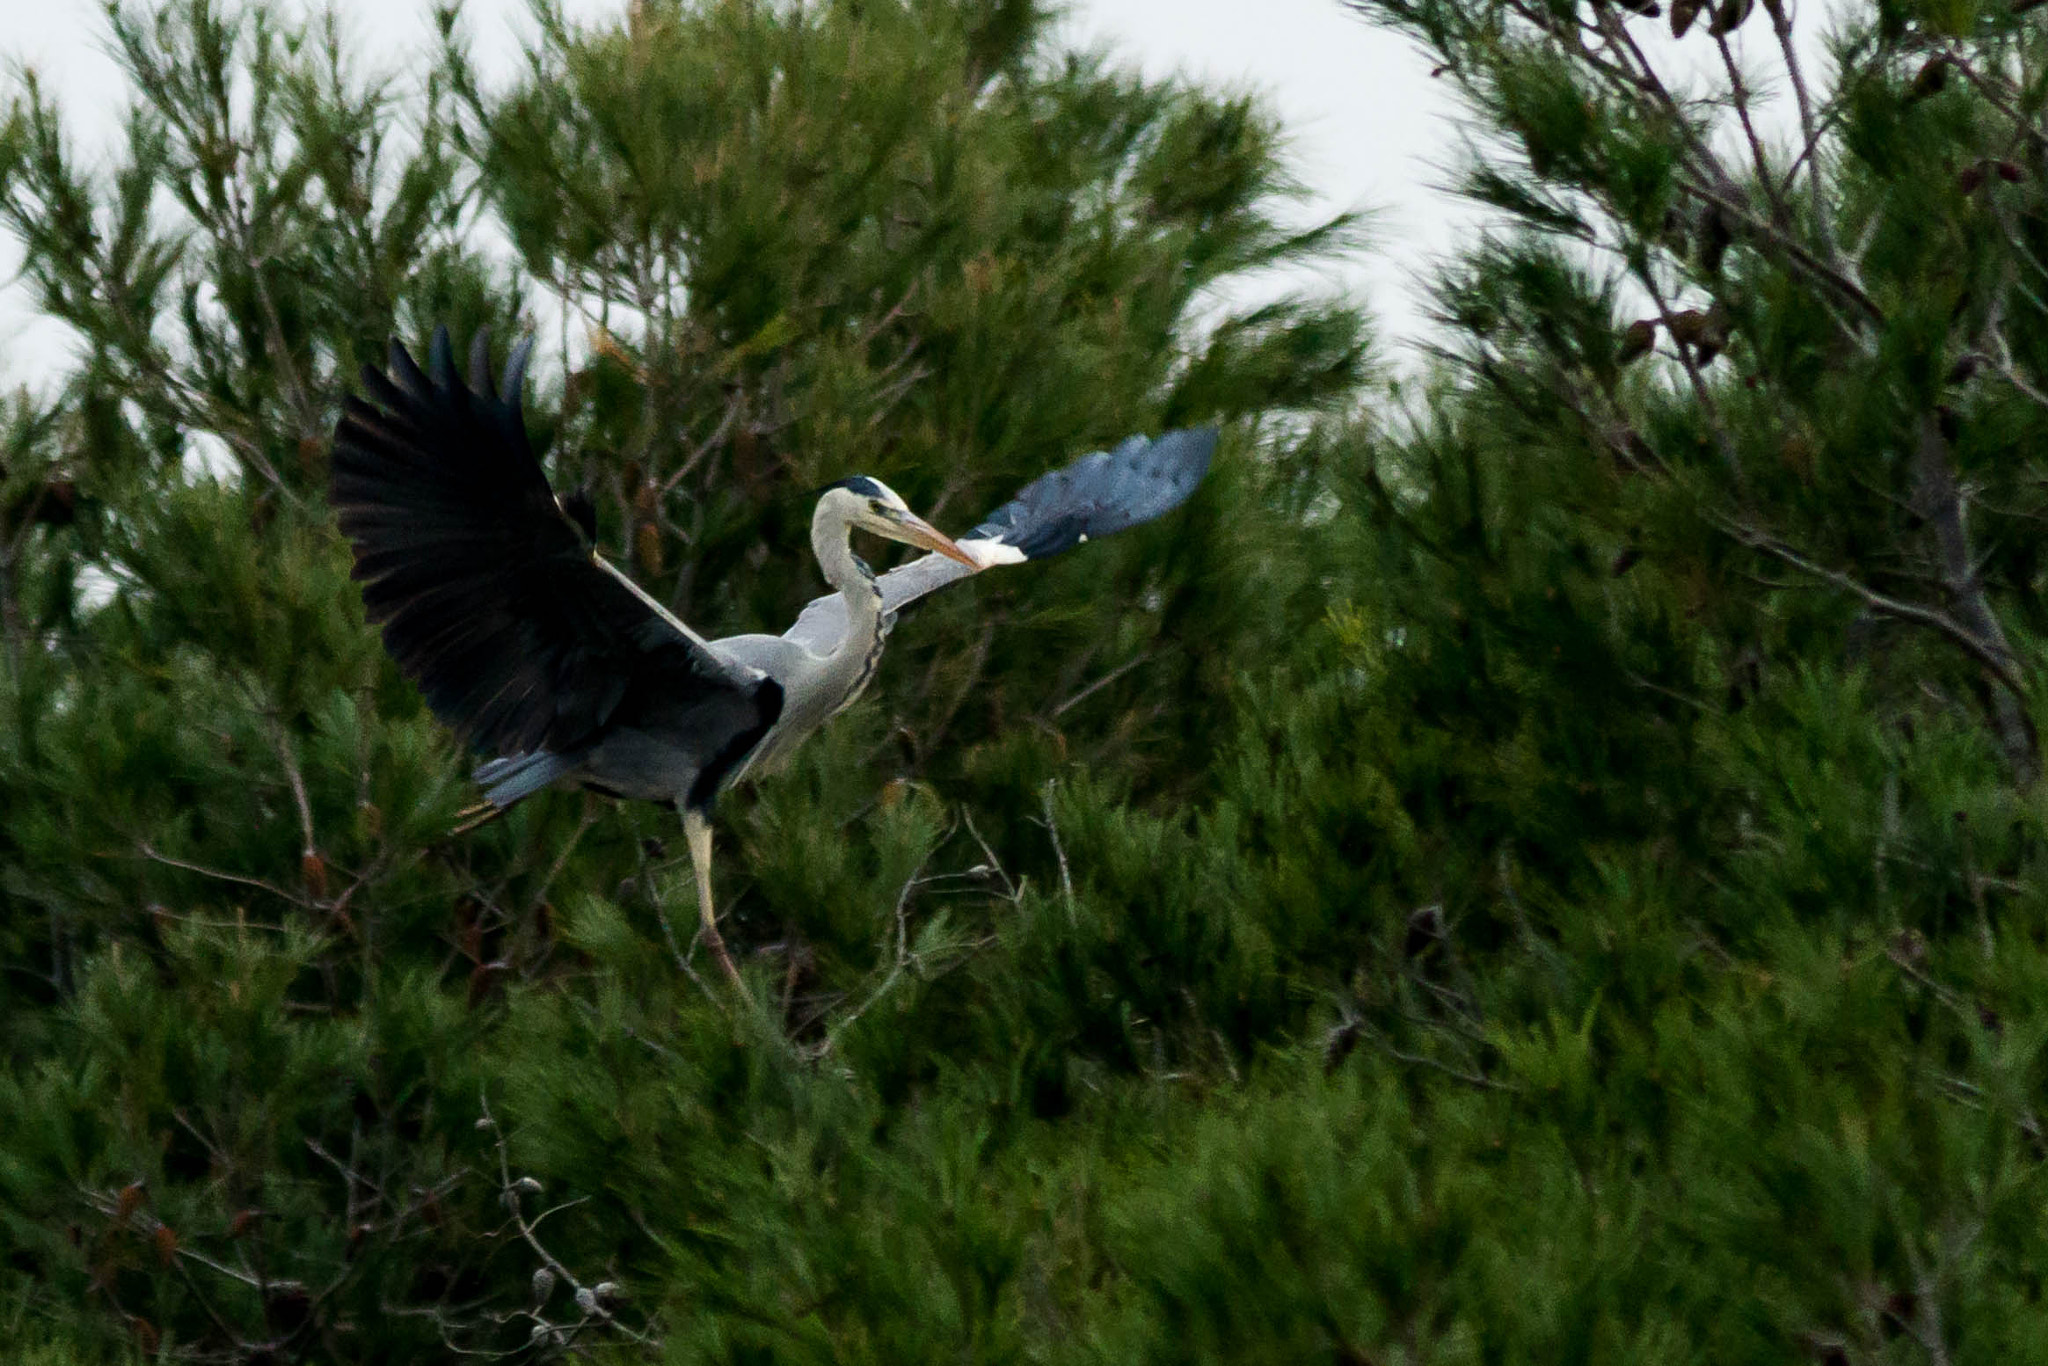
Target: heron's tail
(509, 780)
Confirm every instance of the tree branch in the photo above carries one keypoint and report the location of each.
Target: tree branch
(1942, 503)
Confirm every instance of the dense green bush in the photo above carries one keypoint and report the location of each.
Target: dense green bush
(1541, 863)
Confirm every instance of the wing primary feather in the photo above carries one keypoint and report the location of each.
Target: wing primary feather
(441, 363)
(480, 365)
(1101, 494)
(405, 374)
(515, 372)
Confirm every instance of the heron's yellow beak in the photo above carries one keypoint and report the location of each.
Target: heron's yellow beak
(912, 529)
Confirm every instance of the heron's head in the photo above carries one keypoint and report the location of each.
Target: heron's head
(873, 506)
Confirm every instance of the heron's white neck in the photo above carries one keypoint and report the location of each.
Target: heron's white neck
(832, 543)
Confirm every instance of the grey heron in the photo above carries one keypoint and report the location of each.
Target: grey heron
(535, 650)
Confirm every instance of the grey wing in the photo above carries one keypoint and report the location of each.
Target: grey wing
(822, 624)
(1097, 495)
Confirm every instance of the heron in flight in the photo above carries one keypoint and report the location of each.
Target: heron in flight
(535, 650)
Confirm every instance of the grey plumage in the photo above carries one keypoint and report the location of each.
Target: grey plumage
(548, 659)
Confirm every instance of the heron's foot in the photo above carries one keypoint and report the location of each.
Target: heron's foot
(698, 830)
(718, 951)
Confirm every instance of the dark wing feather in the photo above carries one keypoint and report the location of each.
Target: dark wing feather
(1101, 494)
(490, 597)
(1097, 495)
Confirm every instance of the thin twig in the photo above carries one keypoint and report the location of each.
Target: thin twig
(1637, 680)
(591, 1305)
(1011, 890)
(675, 951)
(1738, 93)
(1641, 78)
(1473, 1079)
(148, 852)
(1059, 852)
(1809, 131)
(1836, 277)
(902, 956)
(289, 762)
(1993, 93)
(589, 818)
(1112, 676)
(1689, 361)
(1943, 503)
(1756, 539)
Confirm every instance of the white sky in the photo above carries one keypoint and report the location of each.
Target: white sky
(1369, 129)
(1367, 125)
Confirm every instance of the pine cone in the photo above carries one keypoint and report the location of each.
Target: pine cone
(1729, 16)
(1930, 81)
(1636, 339)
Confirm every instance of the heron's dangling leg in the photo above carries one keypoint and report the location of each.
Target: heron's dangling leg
(697, 829)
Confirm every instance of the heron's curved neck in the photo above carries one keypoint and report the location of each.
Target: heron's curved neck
(832, 543)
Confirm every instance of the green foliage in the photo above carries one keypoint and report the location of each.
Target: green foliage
(1553, 873)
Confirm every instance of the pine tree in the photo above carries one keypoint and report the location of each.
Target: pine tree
(1708, 592)
(289, 1067)
(1539, 862)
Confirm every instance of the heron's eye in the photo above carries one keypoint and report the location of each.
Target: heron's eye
(875, 506)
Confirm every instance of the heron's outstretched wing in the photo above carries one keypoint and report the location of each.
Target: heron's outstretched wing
(520, 637)
(1097, 495)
